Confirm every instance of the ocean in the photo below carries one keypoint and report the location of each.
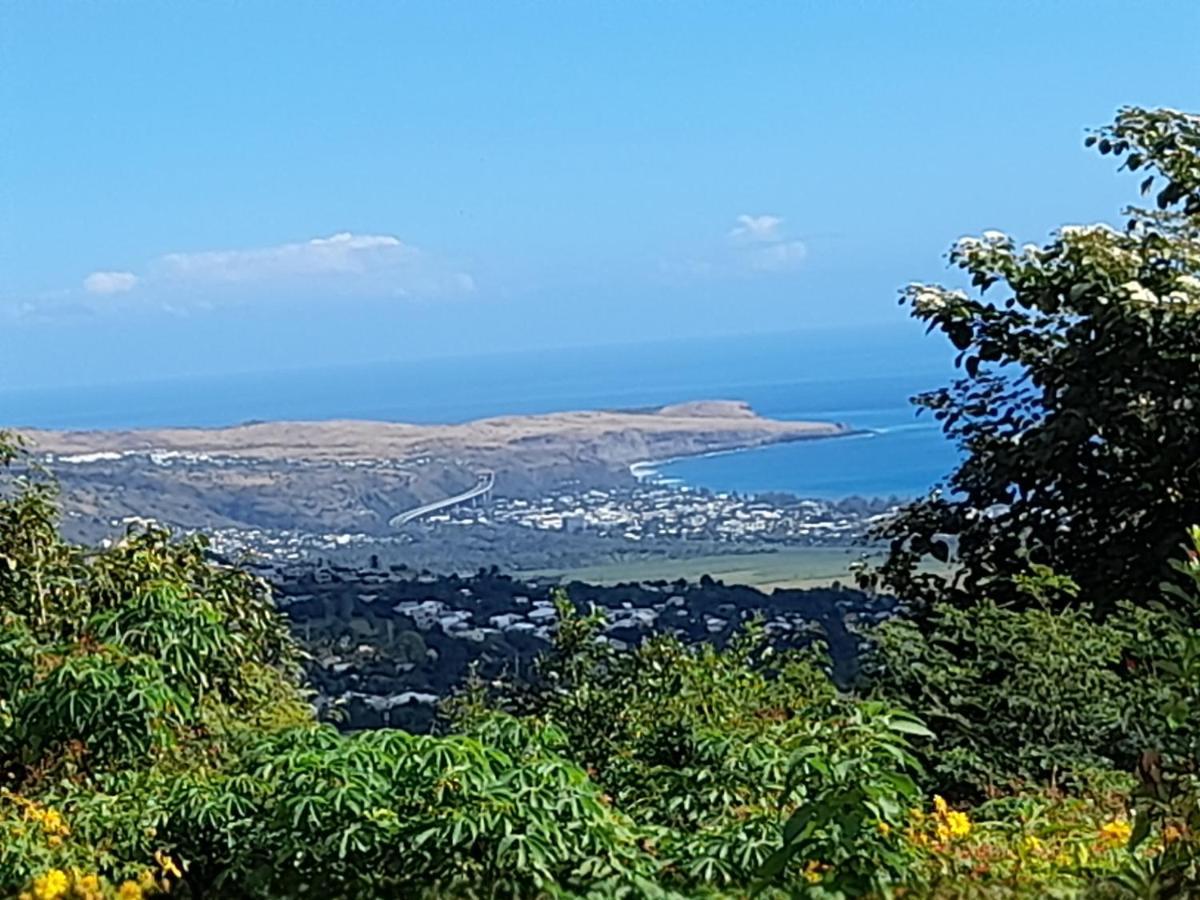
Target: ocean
(862, 377)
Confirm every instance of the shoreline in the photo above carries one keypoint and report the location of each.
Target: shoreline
(644, 470)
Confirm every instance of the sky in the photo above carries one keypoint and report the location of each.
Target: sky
(205, 188)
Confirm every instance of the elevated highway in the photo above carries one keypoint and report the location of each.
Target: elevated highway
(483, 487)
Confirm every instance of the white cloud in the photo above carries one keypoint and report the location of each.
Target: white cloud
(110, 282)
(343, 264)
(757, 245)
(761, 245)
(756, 229)
(342, 254)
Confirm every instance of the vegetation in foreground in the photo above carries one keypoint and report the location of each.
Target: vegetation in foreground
(1031, 731)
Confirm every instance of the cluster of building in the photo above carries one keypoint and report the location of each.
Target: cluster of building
(164, 458)
(290, 546)
(386, 645)
(676, 512)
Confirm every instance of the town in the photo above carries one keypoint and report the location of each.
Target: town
(683, 513)
(576, 526)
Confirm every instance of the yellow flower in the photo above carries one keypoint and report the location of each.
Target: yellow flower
(51, 886)
(1031, 844)
(129, 890)
(167, 864)
(814, 871)
(883, 828)
(951, 824)
(52, 823)
(1115, 833)
(88, 887)
(960, 824)
(146, 881)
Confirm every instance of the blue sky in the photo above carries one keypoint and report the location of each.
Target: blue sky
(217, 187)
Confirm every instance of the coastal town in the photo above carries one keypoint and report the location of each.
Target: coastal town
(680, 512)
(575, 526)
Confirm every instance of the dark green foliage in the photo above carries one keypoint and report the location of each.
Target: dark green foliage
(716, 751)
(1168, 796)
(107, 656)
(856, 787)
(1022, 696)
(1078, 407)
(309, 812)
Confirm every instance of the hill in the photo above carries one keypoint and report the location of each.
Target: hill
(353, 475)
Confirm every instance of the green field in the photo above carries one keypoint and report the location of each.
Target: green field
(793, 568)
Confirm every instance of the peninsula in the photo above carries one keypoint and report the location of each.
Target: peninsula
(358, 475)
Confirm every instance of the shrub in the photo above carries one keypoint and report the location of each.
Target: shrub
(1022, 696)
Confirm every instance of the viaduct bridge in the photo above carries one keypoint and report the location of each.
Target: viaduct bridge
(482, 490)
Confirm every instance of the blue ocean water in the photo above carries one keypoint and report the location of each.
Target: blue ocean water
(862, 377)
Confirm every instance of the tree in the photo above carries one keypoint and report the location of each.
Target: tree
(1077, 407)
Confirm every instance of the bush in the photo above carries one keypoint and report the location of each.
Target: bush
(721, 753)
(1021, 697)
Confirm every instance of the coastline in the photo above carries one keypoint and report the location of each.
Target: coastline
(645, 470)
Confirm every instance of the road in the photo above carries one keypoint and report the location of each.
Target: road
(485, 484)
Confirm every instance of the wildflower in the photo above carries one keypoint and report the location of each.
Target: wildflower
(129, 890)
(167, 864)
(814, 871)
(53, 824)
(950, 824)
(953, 825)
(1115, 833)
(1171, 833)
(51, 886)
(883, 828)
(87, 887)
(1031, 844)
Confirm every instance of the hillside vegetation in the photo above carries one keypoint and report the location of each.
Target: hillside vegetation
(1032, 729)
